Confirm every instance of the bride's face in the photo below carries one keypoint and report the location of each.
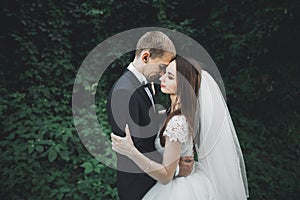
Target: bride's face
(168, 82)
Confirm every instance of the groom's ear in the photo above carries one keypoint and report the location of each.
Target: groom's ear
(145, 56)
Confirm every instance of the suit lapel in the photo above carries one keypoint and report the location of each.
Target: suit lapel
(138, 86)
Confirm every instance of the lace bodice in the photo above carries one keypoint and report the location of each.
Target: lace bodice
(177, 130)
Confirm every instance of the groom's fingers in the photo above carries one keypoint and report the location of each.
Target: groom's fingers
(185, 165)
(189, 159)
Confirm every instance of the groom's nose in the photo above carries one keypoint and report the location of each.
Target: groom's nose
(161, 73)
(162, 69)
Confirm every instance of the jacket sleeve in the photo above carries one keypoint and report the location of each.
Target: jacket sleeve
(127, 108)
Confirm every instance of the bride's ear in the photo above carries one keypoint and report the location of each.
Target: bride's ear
(177, 98)
(177, 102)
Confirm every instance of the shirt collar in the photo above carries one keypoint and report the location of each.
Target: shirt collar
(142, 79)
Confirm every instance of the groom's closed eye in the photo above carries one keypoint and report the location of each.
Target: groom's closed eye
(162, 68)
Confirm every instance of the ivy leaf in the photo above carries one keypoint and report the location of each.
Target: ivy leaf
(97, 170)
(30, 148)
(57, 147)
(88, 167)
(52, 155)
(64, 155)
(39, 148)
(64, 189)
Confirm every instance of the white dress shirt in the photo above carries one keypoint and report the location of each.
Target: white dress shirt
(142, 79)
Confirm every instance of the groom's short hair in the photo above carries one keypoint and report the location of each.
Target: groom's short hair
(157, 43)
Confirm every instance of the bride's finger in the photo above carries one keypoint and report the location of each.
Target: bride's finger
(113, 148)
(115, 137)
(127, 130)
(115, 141)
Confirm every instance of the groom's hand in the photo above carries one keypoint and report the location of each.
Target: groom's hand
(186, 165)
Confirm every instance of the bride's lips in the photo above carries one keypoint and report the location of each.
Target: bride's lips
(161, 85)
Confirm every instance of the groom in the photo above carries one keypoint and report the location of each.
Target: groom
(131, 102)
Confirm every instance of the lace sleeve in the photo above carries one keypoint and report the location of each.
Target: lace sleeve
(177, 129)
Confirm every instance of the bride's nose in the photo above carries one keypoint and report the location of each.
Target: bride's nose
(161, 79)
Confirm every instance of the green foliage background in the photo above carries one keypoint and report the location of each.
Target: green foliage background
(255, 45)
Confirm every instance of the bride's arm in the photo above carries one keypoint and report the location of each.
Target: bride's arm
(164, 172)
(162, 112)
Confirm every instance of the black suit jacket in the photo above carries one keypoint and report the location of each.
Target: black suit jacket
(129, 103)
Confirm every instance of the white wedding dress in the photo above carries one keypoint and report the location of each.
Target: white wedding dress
(196, 185)
(220, 173)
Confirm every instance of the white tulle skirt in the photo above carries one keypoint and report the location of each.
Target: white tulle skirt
(193, 187)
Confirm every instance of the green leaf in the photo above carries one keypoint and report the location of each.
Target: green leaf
(60, 196)
(39, 148)
(88, 167)
(30, 148)
(64, 155)
(97, 170)
(95, 162)
(57, 147)
(53, 192)
(11, 135)
(64, 189)
(52, 155)
(23, 147)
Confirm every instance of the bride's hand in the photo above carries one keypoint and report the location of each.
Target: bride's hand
(123, 145)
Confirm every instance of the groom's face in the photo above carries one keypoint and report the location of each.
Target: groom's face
(157, 67)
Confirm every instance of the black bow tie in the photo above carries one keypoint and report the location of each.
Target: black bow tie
(149, 86)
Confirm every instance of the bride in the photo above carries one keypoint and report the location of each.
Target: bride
(198, 117)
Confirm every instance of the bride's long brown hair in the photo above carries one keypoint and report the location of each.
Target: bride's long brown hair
(188, 84)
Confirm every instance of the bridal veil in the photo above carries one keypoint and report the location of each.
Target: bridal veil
(219, 153)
